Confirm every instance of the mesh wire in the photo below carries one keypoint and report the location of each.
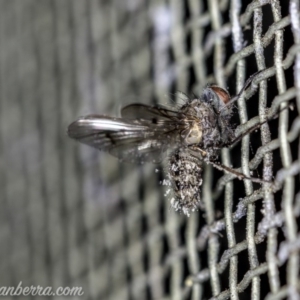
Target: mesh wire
(71, 216)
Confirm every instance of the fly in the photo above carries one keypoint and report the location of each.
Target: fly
(189, 136)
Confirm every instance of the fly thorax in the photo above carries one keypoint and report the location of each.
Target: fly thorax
(193, 134)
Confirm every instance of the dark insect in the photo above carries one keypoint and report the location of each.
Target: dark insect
(189, 136)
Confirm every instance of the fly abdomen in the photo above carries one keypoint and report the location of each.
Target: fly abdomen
(185, 175)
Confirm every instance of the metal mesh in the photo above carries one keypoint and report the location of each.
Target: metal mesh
(71, 216)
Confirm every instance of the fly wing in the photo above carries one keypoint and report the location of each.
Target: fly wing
(156, 114)
(130, 140)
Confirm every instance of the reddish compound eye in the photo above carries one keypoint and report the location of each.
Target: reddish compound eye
(221, 93)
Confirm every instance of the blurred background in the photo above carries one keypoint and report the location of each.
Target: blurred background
(72, 216)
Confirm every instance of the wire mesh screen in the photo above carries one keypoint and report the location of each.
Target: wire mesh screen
(71, 216)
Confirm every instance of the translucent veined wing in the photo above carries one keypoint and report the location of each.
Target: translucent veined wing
(156, 114)
(130, 140)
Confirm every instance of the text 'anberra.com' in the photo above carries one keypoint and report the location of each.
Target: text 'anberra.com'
(40, 291)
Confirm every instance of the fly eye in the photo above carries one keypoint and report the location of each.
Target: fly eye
(216, 97)
(222, 94)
